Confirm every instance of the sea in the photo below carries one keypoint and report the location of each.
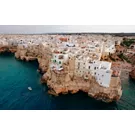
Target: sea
(16, 76)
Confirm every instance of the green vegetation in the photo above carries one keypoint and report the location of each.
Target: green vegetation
(128, 42)
(123, 57)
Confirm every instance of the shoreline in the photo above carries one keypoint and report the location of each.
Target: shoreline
(99, 96)
(64, 75)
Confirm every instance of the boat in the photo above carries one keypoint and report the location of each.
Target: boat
(29, 88)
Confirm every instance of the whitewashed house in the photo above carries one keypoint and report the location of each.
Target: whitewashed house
(67, 44)
(80, 66)
(57, 61)
(103, 74)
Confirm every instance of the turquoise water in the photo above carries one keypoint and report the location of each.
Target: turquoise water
(16, 76)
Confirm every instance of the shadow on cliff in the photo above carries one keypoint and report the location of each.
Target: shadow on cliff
(6, 54)
(80, 101)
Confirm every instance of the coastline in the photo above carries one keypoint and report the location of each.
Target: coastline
(61, 82)
(56, 90)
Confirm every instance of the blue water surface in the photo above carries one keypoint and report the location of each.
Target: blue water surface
(16, 76)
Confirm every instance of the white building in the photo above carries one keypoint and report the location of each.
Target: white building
(67, 44)
(101, 70)
(58, 60)
(103, 74)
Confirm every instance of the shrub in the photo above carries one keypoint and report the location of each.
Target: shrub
(128, 42)
(123, 57)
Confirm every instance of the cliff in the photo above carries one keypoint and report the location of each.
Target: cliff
(33, 53)
(8, 48)
(132, 74)
(65, 81)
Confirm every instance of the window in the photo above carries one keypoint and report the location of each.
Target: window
(95, 73)
(59, 62)
(89, 67)
(95, 68)
(61, 57)
(132, 47)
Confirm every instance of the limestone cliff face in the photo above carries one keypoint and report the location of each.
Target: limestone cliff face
(132, 74)
(28, 54)
(65, 81)
(43, 64)
(35, 52)
(8, 48)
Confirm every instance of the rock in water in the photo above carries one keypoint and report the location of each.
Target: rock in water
(38, 70)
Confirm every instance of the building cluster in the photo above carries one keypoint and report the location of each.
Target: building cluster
(81, 53)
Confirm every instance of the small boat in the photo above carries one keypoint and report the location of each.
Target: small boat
(29, 88)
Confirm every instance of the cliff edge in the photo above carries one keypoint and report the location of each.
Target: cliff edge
(69, 66)
(65, 81)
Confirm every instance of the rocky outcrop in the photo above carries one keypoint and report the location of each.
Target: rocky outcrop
(28, 54)
(64, 81)
(43, 64)
(132, 74)
(6, 48)
(33, 53)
